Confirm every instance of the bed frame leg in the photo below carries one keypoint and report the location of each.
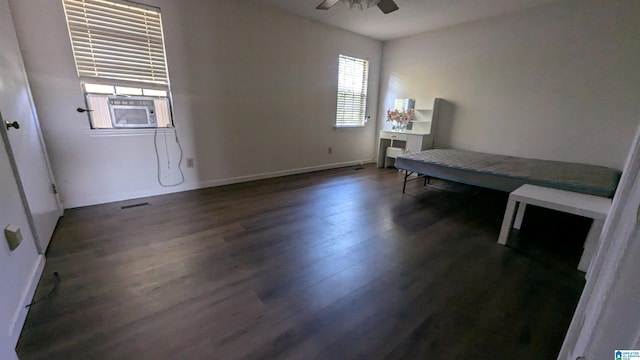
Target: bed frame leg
(406, 175)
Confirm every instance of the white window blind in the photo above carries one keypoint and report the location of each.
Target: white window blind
(117, 40)
(353, 79)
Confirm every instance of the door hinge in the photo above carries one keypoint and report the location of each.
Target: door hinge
(54, 188)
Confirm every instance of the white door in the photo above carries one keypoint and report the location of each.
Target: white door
(26, 142)
(607, 317)
(17, 266)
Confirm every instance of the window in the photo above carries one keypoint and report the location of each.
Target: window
(118, 47)
(353, 79)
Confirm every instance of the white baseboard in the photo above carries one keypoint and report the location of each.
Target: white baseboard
(205, 184)
(274, 174)
(20, 314)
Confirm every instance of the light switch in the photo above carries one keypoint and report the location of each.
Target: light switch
(13, 235)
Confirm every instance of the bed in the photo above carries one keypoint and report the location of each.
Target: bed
(507, 173)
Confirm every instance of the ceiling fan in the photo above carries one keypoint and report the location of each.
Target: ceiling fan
(386, 6)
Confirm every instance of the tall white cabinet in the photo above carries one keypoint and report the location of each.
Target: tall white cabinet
(392, 143)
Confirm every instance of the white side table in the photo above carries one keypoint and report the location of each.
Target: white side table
(590, 206)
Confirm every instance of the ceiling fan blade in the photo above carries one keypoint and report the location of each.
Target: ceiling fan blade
(387, 6)
(326, 4)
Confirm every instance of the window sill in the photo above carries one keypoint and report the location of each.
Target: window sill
(128, 132)
(348, 127)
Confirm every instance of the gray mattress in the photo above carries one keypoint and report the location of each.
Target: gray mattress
(507, 173)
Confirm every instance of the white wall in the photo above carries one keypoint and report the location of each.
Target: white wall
(557, 82)
(254, 95)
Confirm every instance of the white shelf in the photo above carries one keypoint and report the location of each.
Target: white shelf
(406, 132)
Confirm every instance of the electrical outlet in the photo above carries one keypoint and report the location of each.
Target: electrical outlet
(189, 162)
(330, 150)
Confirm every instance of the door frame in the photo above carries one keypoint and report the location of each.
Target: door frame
(614, 244)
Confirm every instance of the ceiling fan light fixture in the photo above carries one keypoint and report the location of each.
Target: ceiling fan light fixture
(361, 3)
(386, 6)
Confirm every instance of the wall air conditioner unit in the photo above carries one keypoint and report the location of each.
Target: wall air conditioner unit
(132, 112)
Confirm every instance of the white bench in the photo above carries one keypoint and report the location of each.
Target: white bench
(590, 206)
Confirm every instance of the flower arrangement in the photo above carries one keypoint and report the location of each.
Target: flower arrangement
(401, 116)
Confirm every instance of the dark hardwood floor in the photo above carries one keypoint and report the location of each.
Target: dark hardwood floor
(336, 264)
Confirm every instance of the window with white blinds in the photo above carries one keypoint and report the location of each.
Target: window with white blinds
(117, 40)
(118, 48)
(353, 79)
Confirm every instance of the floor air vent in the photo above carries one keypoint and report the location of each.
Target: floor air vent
(133, 205)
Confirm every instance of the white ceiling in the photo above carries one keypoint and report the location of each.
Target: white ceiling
(414, 16)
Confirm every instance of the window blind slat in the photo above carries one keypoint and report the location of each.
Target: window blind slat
(116, 41)
(353, 80)
(112, 36)
(119, 16)
(130, 63)
(96, 43)
(121, 72)
(81, 17)
(95, 27)
(130, 74)
(108, 7)
(118, 55)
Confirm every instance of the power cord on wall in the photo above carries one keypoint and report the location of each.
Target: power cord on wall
(166, 147)
(57, 279)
